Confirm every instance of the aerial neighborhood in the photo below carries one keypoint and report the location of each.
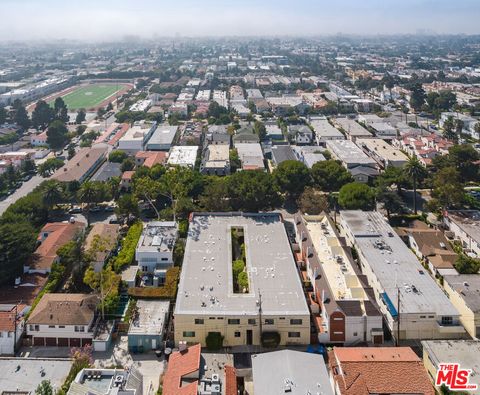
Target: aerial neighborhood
(254, 216)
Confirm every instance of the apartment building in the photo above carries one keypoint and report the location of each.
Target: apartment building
(463, 225)
(211, 299)
(403, 289)
(216, 160)
(342, 310)
(383, 153)
(136, 137)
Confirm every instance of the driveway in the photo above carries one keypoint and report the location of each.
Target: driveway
(26, 187)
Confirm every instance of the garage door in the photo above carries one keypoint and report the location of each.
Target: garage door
(62, 342)
(51, 341)
(38, 341)
(74, 342)
(86, 341)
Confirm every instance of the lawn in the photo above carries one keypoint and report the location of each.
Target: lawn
(90, 96)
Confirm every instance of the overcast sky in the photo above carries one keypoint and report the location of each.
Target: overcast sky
(113, 19)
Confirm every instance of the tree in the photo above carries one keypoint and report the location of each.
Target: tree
(448, 129)
(215, 196)
(71, 151)
(127, 205)
(463, 158)
(356, 196)
(92, 192)
(459, 126)
(101, 112)
(147, 189)
(127, 164)
(393, 176)
(312, 201)
(117, 156)
(21, 115)
(414, 169)
(447, 188)
(57, 135)
(61, 110)
(44, 388)
(52, 194)
(392, 203)
(43, 115)
(253, 191)
(292, 177)
(81, 116)
(47, 168)
(28, 166)
(3, 115)
(417, 97)
(235, 162)
(260, 130)
(330, 175)
(467, 265)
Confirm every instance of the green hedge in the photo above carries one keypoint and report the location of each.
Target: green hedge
(270, 339)
(214, 341)
(129, 243)
(167, 291)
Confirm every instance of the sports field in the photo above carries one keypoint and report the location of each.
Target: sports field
(90, 96)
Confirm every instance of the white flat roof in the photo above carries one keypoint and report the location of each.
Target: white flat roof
(150, 319)
(183, 155)
(206, 283)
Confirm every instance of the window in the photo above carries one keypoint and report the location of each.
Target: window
(211, 318)
(269, 321)
(51, 326)
(447, 320)
(219, 318)
(34, 328)
(233, 321)
(198, 321)
(293, 334)
(296, 321)
(338, 318)
(1, 334)
(282, 318)
(79, 328)
(61, 326)
(431, 316)
(355, 334)
(237, 334)
(252, 321)
(164, 259)
(10, 334)
(423, 316)
(188, 334)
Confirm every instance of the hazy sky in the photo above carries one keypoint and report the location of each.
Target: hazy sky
(113, 19)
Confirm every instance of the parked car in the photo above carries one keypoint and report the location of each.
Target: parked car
(75, 210)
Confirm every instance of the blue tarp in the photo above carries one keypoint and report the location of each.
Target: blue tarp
(390, 307)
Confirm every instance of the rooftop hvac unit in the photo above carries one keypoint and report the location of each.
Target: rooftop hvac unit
(182, 346)
(215, 378)
(118, 380)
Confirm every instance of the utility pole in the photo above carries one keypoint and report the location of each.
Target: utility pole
(260, 314)
(15, 330)
(397, 342)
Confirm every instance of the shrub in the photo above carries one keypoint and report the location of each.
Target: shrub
(129, 243)
(242, 280)
(167, 291)
(270, 339)
(238, 267)
(214, 341)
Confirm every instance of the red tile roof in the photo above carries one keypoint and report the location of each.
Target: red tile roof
(230, 381)
(181, 364)
(127, 175)
(364, 371)
(7, 317)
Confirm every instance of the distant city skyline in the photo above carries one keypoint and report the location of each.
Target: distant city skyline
(111, 20)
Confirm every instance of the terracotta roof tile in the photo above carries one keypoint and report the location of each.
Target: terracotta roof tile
(181, 364)
(230, 381)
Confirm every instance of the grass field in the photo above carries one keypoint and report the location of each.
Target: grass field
(89, 96)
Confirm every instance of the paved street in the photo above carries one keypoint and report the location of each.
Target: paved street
(20, 192)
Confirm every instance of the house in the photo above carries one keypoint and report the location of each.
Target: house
(282, 153)
(292, 372)
(463, 290)
(127, 180)
(102, 239)
(113, 133)
(395, 274)
(383, 153)
(463, 225)
(251, 156)
(468, 122)
(433, 248)
(111, 381)
(216, 160)
(83, 164)
(308, 155)
(135, 139)
(11, 326)
(210, 302)
(324, 131)
(147, 329)
(63, 320)
(217, 135)
(183, 155)
(52, 236)
(245, 135)
(383, 129)
(341, 303)
(379, 370)
(273, 131)
(154, 252)
(39, 140)
(162, 138)
(183, 372)
(463, 352)
(300, 134)
(107, 171)
(150, 159)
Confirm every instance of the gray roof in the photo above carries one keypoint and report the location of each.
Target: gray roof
(206, 284)
(351, 127)
(281, 153)
(150, 319)
(468, 288)
(395, 265)
(464, 352)
(350, 154)
(157, 236)
(163, 135)
(107, 171)
(468, 221)
(303, 373)
(324, 129)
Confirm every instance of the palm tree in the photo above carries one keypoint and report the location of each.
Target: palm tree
(414, 169)
(88, 194)
(52, 194)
